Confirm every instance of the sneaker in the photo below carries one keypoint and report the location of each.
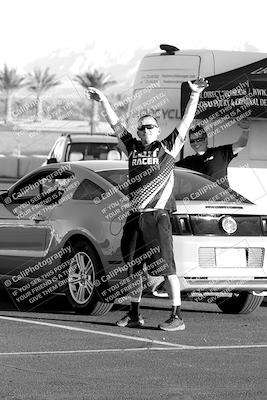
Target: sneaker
(174, 323)
(131, 322)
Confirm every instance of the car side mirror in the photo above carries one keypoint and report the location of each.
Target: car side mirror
(51, 160)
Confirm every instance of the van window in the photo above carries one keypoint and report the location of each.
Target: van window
(167, 71)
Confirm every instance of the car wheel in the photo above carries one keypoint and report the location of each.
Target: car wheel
(239, 303)
(81, 291)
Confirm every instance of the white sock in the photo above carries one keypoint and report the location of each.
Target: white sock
(172, 285)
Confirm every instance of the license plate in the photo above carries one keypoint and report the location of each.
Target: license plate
(231, 258)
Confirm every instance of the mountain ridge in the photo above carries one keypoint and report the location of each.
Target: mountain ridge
(67, 62)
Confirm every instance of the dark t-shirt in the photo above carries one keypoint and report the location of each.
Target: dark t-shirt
(213, 162)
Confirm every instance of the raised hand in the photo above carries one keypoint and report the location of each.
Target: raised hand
(199, 85)
(110, 115)
(94, 94)
(244, 124)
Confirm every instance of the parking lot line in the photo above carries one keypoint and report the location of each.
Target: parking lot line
(66, 352)
(122, 350)
(95, 332)
(166, 345)
(225, 347)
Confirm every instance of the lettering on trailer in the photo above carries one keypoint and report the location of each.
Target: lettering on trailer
(170, 113)
(244, 87)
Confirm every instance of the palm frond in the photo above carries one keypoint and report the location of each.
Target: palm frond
(94, 78)
(10, 80)
(41, 80)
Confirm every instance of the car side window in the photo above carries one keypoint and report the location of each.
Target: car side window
(39, 192)
(41, 183)
(88, 190)
(118, 178)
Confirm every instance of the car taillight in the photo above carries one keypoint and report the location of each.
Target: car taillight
(264, 225)
(181, 225)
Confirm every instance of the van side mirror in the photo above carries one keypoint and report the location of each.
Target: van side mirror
(51, 160)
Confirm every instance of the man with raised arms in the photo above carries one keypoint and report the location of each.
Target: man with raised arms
(151, 201)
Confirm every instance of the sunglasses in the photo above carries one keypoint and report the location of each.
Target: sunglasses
(148, 126)
(198, 140)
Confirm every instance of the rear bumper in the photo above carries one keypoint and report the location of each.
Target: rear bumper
(224, 285)
(198, 273)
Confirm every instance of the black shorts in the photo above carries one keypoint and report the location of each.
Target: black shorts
(147, 238)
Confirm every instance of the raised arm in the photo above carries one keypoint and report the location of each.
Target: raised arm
(241, 143)
(196, 88)
(175, 141)
(110, 115)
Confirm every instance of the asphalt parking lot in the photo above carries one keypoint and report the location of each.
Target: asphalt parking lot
(53, 353)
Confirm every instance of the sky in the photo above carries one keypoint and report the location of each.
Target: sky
(31, 29)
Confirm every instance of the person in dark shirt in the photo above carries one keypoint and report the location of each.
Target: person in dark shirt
(213, 161)
(148, 228)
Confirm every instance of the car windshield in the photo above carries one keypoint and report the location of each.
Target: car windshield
(89, 151)
(191, 186)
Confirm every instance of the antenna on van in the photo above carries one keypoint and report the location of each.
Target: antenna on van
(169, 49)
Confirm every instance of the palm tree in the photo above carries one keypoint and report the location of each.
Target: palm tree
(100, 81)
(10, 81)
(39, 82)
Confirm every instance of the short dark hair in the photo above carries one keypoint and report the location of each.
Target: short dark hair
(145, 116)
(198, 131)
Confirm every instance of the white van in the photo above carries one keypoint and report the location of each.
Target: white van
(158, 90)
(238, 86)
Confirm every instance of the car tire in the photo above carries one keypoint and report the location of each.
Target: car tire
(80, 289)
(239, 303)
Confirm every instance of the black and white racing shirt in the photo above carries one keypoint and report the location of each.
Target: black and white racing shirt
(151, 177)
